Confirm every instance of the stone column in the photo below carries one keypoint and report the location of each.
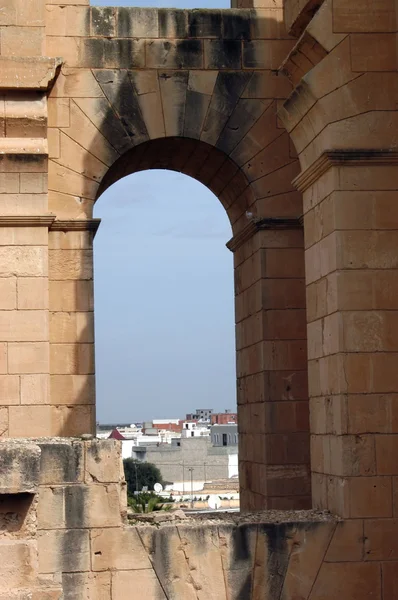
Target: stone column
(72, 323)
(351, 240)
(272, 365)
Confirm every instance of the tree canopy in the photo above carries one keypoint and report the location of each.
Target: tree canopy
(139, 474)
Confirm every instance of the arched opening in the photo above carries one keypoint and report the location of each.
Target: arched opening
(165, 336)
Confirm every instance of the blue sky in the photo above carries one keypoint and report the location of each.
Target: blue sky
(164, 301)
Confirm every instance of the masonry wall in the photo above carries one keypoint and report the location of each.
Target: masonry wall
(64, 535)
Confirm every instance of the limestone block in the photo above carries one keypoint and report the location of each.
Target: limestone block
(76, 83)
(30, 14)
(73, 420)
(266, 84)
(68, 21)
(265, 54)
(3, 357)
(9, 390)
(118, 549)
(195, 555)
(111, 53)
(33, 421)
(223, 54)
(58, 112)
(47, 594)
(204, 23)
(70, 240)
(373, 52)
(28, 357)
(23, 204)
(76, 158)
(64, 180)
(20, 467)
(246, 113)
(67, 206)
(22, 41)
(91, 586)
(33, 183)
(66, 48)
(367, 497)
(18, 564)
(3, 422)
(108, 137)
(347, 542)
(77, 506)
(180, 54)
(173, 23)
(23, 261)
(23, 236)
(237, 549)
(69, 359)
(133, 585)
(103, 21)
(309, 546)
(102, 507)
(33, 160)
(34, 389)
(53, 136)
(72, 389)
(61, 462)
(103, 460)
(347, 580)
(358, 18)
(24, 326)
(25, 115)
(24, 72)
(32, 293)
(66, 327)
(9, 14)
(51, 508)
(389, 579)
(9, 183)
(64, 551)
(137, 22)
(8, 297)
(70, 264)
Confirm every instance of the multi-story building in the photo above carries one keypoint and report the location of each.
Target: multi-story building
(201, 414)
(224, 418)
(224, 435)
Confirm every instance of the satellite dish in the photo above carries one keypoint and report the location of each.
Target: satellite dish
(158, 488)
(214, 502)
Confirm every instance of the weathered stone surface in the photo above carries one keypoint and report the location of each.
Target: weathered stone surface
(19, 467)
(118, 549)
(64, 551)
(102, 464)
(61, 462)
(18, 564)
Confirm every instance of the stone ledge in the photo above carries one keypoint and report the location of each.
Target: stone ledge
(260, 224)
(75, 225)
(29, 73)
(23, 146)
(347, 158)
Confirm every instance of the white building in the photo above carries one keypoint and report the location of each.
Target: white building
(194, 429)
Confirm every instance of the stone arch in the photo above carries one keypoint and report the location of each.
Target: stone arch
(239, 134)
(206, 107)
(195, 158)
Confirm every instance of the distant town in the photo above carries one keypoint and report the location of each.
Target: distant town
(196, 456)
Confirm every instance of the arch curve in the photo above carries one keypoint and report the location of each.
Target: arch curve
(209, 165)
(214, 125)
